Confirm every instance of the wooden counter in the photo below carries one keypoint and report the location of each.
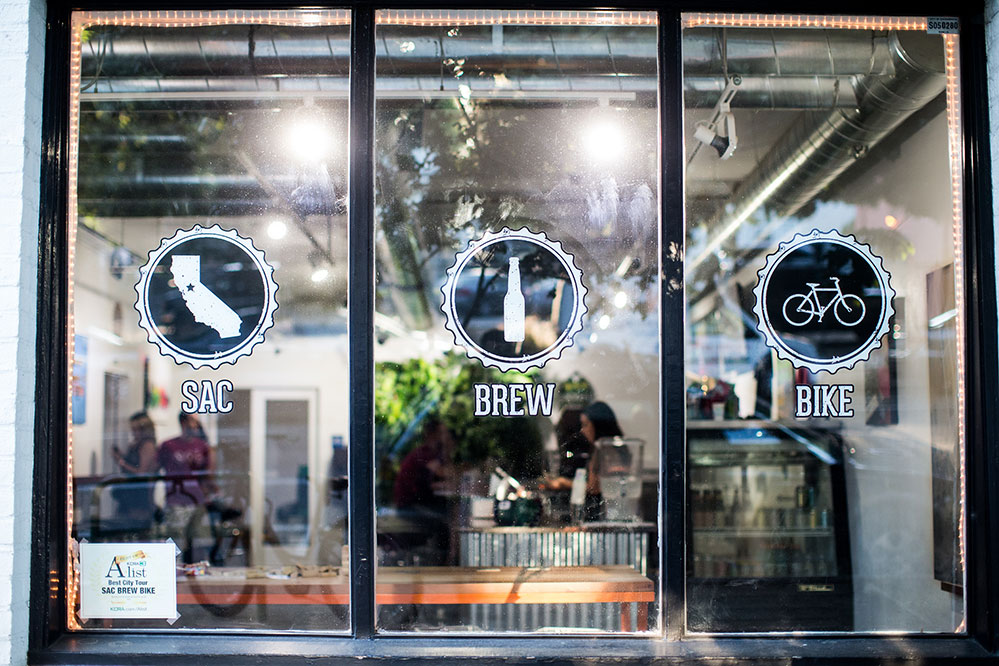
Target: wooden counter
(439, 585)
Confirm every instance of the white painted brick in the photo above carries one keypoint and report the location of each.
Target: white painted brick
(10, 273)
(21, 54)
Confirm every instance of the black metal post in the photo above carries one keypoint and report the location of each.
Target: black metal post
(673, 486)
(360, 306)
(48, 514)
(981, 363)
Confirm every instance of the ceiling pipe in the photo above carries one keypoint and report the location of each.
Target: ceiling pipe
(227, 51)
(265, 51)
(700, 92)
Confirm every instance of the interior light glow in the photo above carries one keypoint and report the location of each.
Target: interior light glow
(593, 338)
(604, 322)
(320, 274)
(309, 140)
(604, 141)
(623, 267)
(891, 221)
(277, 230)
(620, 299)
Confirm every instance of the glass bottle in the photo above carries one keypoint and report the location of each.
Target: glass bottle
(513, 305)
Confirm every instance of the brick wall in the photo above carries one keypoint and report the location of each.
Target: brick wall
(22, 25)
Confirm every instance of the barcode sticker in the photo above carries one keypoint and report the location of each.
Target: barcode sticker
(938, 25)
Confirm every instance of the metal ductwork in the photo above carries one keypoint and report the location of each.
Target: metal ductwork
(780, 69)
(865, 83)
(270, 51)
(771, 92)
(749, 52)
(819, 147)
(763, 92)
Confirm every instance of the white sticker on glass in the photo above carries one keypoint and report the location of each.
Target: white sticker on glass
(128, 580)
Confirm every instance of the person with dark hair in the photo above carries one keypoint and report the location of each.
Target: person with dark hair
(578, 451)
(424, 467)
(597, 421)
(134, 498)
(421, 474)
(188, 462)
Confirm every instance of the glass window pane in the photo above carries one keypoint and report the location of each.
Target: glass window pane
(517, 356)
(209, 279)
(824, 325)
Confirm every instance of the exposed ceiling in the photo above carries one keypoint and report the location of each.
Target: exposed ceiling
(188, 123)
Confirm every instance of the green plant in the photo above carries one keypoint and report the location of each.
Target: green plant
(407, 393)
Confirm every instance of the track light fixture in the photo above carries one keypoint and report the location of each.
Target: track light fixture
(709, 134)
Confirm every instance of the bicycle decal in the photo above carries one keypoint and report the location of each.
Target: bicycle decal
(823, 301)
(799, 309)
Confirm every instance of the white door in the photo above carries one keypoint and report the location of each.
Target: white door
(283, 475)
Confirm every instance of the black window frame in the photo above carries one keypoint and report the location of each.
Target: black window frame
(51, 643)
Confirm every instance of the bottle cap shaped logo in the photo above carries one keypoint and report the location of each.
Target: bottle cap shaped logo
(514, 299)
(823, 301)
(206, 296)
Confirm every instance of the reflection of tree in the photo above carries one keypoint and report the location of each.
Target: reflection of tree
(132, 149)
(406, 393)
(537, 265)
(450, 170)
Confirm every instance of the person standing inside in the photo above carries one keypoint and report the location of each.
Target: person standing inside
(188, 462)
(134, 496)
(420, 492)
(596, 422)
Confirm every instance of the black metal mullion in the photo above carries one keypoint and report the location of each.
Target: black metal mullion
(672, 484)
(48, 514)
(360, 306)
(981, 362)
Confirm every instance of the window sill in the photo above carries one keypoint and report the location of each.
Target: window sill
(225, 649)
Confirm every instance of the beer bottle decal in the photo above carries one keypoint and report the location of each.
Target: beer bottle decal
(513, 305)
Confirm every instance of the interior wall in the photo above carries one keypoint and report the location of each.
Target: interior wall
(888, 468)
(110, 349)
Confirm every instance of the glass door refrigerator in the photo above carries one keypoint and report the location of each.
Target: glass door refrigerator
(768, 540)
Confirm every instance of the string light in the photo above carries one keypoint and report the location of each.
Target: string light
(450, 17)
(956, 163)
(955, 146)
(191, 19)
(700, 20)
(76, 56)
(181, 19)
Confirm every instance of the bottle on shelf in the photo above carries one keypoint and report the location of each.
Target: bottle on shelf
(513, 305)
(735, 510)
(731, 404)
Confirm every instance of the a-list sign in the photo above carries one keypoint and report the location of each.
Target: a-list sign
(128, 580)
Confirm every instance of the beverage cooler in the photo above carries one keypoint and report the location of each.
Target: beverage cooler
(768, 539)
